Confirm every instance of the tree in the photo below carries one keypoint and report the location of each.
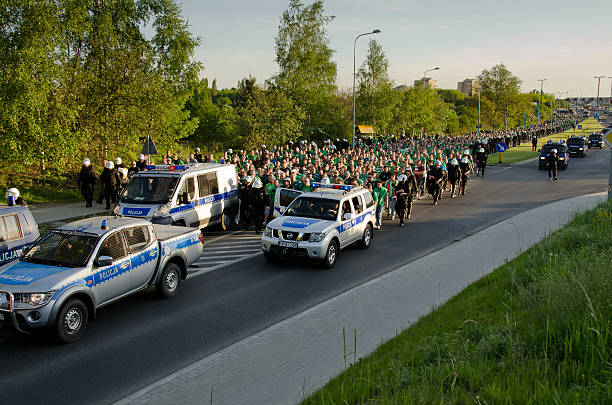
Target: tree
(376, 99)
(500, 87)
(307, 73)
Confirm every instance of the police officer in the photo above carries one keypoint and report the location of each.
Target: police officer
(410, 187)
(111, 183)
(259, 201)
(118, 163)
(552, 162)
(434, 178)
(466, 168)
(454, 176)
(87, 180)
(141, 164)
(534, 142)
(244, 197)
(402, 198)
(481, 162)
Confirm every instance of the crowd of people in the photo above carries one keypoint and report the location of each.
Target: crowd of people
(396, 169)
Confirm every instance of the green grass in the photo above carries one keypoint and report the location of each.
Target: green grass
(536, 330)
(35, 194)
(523, 151)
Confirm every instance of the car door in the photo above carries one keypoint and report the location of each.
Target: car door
(359, 208)
(114, 280)
(11, 238)
(346, 232)
(282, 198)
(142, 253)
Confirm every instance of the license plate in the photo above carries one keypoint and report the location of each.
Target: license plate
(1, 317)
(288, 244)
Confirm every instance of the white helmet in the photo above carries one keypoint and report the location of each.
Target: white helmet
(230, 151)
(324, 180)
(248, 179)
(454, 162)
(257, 183)
(464, 160)
(481, 150)
(402, 177)
(466, 152)
(118, 160)
(141, 157)
(86, 162)
(554, 151)
(109, 165)
(287, 179)
(12, 192)
(197, 149)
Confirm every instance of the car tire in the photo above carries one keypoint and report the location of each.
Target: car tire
(331, 255)
(71, 321)
(169, 282)
(366, 238)
(271, 258)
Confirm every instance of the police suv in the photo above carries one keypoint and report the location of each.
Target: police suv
(317, 224)
(64, 277)
(194, 195)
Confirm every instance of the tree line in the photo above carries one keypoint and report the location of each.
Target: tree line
(95, 77)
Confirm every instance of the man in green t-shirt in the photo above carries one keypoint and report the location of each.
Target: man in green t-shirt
(271, 187)
(380, 196)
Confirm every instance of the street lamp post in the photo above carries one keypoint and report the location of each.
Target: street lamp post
(425, 74)
(598, 81)
(478, 110)
(376, 31)
(541, 85)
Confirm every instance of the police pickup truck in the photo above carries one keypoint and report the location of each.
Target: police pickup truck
(63, 278)
(317, 224)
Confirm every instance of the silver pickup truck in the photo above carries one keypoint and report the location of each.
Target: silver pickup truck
(60, 282)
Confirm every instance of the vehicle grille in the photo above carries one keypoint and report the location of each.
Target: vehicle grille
(290, 235)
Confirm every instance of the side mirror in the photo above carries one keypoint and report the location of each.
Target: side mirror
(347, 216)
(104, 261)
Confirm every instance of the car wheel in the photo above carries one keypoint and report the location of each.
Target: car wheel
(331, 256)
(366, 239)
(170, 281)
(71, 321)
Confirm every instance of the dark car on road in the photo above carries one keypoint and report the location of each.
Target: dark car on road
(577, 146)
(561, 152)
(596, 140)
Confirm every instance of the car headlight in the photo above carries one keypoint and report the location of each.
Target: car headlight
(542, 158)
(162, 210)
(561, 158)
(317, 236)
(580, 148)
(33, 299)
(268, 232)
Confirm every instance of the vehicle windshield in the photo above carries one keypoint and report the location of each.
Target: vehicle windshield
(595, 137)
(149, 190)
(287, 196)
(64, 249)
(548, 148)
(575, 141)
(311, 207)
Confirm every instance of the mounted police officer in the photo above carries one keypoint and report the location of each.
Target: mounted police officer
(87, 181)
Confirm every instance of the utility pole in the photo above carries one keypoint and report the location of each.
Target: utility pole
(598, 81)
(478, 110)
(541, 85)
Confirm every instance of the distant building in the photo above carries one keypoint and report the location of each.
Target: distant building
(468, 87)
(432, 84)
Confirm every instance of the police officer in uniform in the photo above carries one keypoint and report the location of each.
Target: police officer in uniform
(141, 164)
(111, 184)
(244, 197)
(552, 162)
(434, 177)
(454, 176)
(87, 180)
(259, 201)
(481, 162)
(402, 198)
(466, 168)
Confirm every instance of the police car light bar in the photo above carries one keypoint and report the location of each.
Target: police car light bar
(343, 187)
(167, 167)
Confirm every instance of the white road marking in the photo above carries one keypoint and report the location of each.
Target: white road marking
(209, 269)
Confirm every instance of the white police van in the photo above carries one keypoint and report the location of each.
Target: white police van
(194, 195)
(318, 224)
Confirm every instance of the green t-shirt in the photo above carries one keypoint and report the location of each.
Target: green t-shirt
(382, 194)
(271, 191)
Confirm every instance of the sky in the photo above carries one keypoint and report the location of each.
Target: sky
(565, 42)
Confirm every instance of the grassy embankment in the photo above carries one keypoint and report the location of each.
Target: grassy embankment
(523, 151)
(536, 330)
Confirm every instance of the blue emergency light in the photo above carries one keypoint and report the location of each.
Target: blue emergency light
(167, 167)
(104, 224)
(343, 187)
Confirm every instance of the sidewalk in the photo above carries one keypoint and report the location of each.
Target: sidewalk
(296, 356)
(57, 212)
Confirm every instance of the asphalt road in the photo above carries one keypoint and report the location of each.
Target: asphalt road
(141, 339)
